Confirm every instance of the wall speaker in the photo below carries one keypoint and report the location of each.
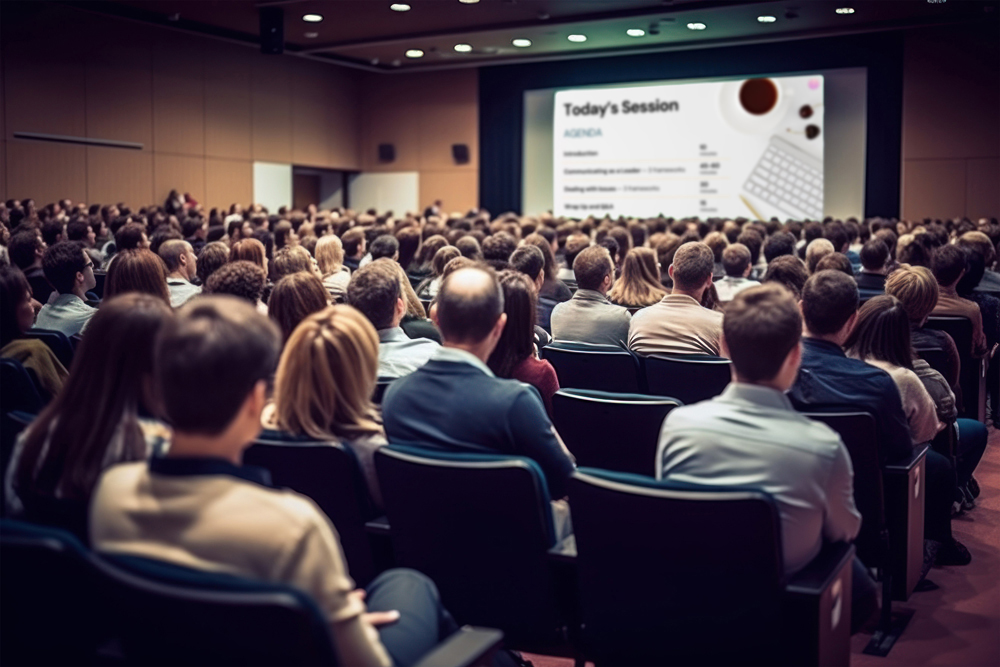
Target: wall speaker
(460, 153)
(272, 30)
(386, 152)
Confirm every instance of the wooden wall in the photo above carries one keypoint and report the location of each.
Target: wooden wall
(204, 110)
(951, 124)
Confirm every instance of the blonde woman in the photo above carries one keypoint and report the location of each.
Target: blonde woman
(330, 257)
(640, 284)
(324, 384)
(415, 323)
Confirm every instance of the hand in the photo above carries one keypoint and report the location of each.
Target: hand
(376, 618)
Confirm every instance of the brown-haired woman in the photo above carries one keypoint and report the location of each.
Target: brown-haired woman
(250, 250)
(17, 315)
(295, 297)
(105, 414)
(325, 380)
(137, 270)
(640, 284)
(552, 288)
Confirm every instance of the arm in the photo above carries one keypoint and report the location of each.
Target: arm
(893, 428)
(922, 412)
(842, 521)
(535, 437)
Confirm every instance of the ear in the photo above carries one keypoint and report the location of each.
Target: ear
(434, 314)
(400, 307)
(670, 271)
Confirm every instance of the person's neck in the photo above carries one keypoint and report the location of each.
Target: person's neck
(835, 338)
(694, 294)
(80, 292)
(479, 350)
(949, 289)
(768, 384)
(176, 275)
(191, 445)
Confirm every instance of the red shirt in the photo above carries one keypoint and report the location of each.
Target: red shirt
(540, 375)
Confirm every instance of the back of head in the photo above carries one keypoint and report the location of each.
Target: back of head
(240, 278)
(469, 247)
(882, 332)
(499, 247)
(517, 342)
(137, 270)
(129, 236)
(980, 243)
(761, 326)
(374, 290)
(209, 359)
(837, 235)
(409, 242)
(975, 268)
(591, 266)
(77, 230)
(915, 249)
(442, 257)
(718, 242)
(693, 265)
(384, 246)
(295, 297)
(753, 241)
(249, 250)
(736, 260)
(575, 244)
(456, 264)
(837, 262)
(22, 248)
(469, 304)
(211, 258)
(329, 254)
(171, 252)
(915, 288)
(14, 289)
(815, 251)
(529, 260)
(949, 263)
(543, 244)
(779, 245)
(874, 254)
(61, 263)
(829, 299)
(291, 259)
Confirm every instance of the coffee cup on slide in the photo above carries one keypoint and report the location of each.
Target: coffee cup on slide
(754, 106)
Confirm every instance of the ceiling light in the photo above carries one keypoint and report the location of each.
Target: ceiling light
(463, 48)
(766, 19)
(399, 7)
(312, 18)
(414, 53)
(312, 35)
(521, 42)
(577, 38)
(696, 26)
(635, 32)
(845, 10)
(468, 2)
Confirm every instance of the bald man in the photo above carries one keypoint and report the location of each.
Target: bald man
(455, 403)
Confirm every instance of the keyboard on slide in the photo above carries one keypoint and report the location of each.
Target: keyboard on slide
(789, 179)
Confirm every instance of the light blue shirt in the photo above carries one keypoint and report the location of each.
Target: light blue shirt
(400, 355)
(180, 291)
(750, 436)
(64, 312)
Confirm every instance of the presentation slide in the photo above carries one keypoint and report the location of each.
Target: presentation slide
(751, 148)
(790, 146)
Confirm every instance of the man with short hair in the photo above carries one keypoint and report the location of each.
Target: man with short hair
(376, 291)
(828, 379)
(778, 245)
(736, 264)
(874, 267)
(385, 246)
(354, 244)
(71, 272)
(212, 365)
(588, 317)
(980, 243)
(575, 244)
(817, 250)
(752, 432)
(26, 249)
(455, 403)
(80, 230)
(949, 265)
(182, 266)
(678, 324)
(195, 231)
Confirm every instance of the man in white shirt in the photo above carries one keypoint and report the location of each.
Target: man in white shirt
(736, 263)
(182, 266)
(71, 272)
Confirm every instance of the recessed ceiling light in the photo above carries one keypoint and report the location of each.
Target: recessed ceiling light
(312, 35)
(399, 7)
(521, 43)
(766, 19)
(577, 38)
(468, 2)
(312, 18)
(845, 10)
(463, 48)
(696, 26)
(414, 53)
(635, 32)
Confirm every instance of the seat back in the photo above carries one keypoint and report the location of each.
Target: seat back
(611, 431)
(688, 378)
(56, 341)
(480, 527)
(51, 605)
(971, 378)
(380, 387)
(858, 431)
(329, 474)
(675, 573)
(100, 277)
(172, 615)
(17, 389)
(600, 367)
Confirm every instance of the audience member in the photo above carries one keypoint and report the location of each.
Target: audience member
(589, 317)
(989, 305)
(210, 259)
(138, 270)
(240, 278)
(837, 262)
(330, 258)
(874, 267)
(469, 247)
(26, 249)
(736, 265)
(640, 284)
(385, 245)
(717, 243)
(71, 273)
(182, 267)
(355, 246)
(949, 267)
(778, 245)
(17, 314)
(788, 271)
(815, 251)
(679, 324)
(497, 250)
(514, 355)
(409, 240)
(235, 521)
(250, 250)
(981, 244)
(105, 414)
(295, 297)
(428, 289)
(415, 323)
(291, 259)
(575, 244)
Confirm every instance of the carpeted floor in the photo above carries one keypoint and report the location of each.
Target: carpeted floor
(958, 624)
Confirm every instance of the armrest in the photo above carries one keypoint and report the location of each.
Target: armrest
(378, 526)
(469, 646)
(564, 551)
(904, 466)
(821, 570)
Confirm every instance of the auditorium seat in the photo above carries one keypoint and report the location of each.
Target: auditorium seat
(973, 373)
(705, 580)
(480, 526)
(18, 389)
(689, 378)
(56, 341)
(611, 431)
(588, 366)
(380, 388)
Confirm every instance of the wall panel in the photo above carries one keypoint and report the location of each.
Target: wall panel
(227, 102)
(309, 123)
(178, 95)
(178, 172)
(228, 182)
(271, 104)
(46, 171)
(343, 119)
(982, 193)
(50, 90)
(933, 188)
(119, 175)
(119, 99)
(457, 190)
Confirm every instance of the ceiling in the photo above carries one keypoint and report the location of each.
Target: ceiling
(370, 35)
